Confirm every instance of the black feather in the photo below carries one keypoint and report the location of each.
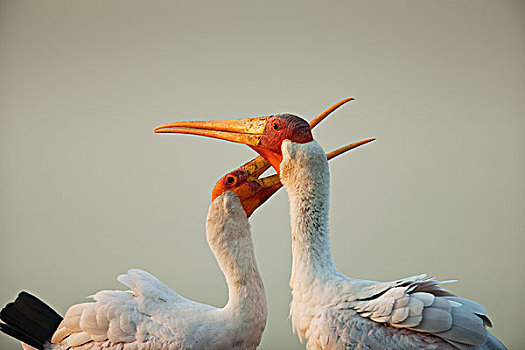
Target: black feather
(29, 320)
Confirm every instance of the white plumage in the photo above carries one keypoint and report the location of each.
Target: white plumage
(333, 311)
(152, 316)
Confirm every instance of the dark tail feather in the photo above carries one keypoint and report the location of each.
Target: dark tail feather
(29, 320)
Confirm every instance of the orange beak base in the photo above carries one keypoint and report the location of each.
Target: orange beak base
(245, 182)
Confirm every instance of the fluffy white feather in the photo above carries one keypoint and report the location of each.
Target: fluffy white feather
(152, 316)
(337, 312)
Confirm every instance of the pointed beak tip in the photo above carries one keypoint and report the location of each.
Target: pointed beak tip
(157, 129)
(364, 142)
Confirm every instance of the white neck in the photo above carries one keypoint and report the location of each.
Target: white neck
(305, 175)
(229, 237)
(245, 286)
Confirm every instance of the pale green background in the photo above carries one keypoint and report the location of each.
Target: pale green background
(88, 191)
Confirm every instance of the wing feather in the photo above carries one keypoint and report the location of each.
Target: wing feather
(422, 305)
(415, 307)
(60, 334)
(409, 322)
(465, 328)
(118, 318)
(88, 321)
(434, 320)
(72, 323)
(77, 339)
(426, 298)
(399, 315)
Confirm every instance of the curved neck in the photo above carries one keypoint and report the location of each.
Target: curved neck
(245, 286)
(229, 237)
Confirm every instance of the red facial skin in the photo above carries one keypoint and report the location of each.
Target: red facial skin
(251, 193)
(264, 135)
(266, 142)
(279, 128)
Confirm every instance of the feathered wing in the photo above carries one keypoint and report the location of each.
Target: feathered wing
(144, 314)
(412, 304)
(335, 328)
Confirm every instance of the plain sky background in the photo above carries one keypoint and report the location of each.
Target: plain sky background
(88, 191)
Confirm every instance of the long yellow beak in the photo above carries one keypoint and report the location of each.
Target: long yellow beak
(329, 111)
(347, 148)
(246, 130)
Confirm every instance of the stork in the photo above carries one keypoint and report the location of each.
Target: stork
(151, 315)
(329, 309)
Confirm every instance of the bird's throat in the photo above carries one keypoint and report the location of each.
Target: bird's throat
(308, 190)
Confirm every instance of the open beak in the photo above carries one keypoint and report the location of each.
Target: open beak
(255, 168)
(258, 190)
(271, 180)
(247, 130)
(254, 191)
(329, 111)
(344, 149)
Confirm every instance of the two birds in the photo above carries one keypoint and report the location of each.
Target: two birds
(330, 310)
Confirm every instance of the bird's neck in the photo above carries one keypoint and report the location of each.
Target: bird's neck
(308, 187)
(245, 286)
(229, 237)
(246, 307)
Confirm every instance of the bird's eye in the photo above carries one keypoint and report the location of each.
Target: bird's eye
(231, 179)
(276, 126)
